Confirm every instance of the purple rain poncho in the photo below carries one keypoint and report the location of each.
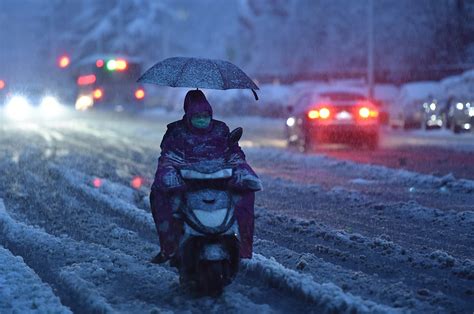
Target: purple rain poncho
(182, 141)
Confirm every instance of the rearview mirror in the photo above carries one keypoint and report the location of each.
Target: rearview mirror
(235, 136)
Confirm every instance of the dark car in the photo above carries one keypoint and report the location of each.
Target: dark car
(460, 115)
(108, 82)
(435, 114)
(333, 117)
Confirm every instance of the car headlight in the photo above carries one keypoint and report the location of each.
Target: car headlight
(50, 107)
(18, 108)
(84, 102)
(290, 122)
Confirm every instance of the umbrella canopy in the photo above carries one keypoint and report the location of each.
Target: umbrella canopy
(198, 73)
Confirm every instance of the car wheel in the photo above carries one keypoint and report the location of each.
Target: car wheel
(454, 127)
(306, 144)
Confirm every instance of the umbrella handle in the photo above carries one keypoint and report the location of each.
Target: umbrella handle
(255, 94)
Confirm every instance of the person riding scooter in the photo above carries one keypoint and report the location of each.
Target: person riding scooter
(198, 137)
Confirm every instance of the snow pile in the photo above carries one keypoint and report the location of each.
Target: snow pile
(85, 291)
(328, 297)
(21, 290)
(115, 196)
(82, 269)
(460, 86)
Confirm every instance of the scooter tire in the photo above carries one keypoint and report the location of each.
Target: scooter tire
(213, 277)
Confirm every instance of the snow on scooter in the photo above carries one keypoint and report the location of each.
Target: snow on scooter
(208, 254)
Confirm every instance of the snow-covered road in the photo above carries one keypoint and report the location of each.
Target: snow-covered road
(331, 235)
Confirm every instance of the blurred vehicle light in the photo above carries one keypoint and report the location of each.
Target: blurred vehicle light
(50, 107)
(459, 106)
(64, 61)
(313, 114)
(98, 93)
(121, 64)
(18, 108)
(86, 79)
(111, 65)
(367, 112)
(324, 113)
(84, 102)
(290, 122)
(99, 63)
(364, 112)
(2, 84)
(136, 182)
(139, 93)
(97, 182)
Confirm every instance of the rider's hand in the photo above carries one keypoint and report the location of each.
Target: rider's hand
(243, 180)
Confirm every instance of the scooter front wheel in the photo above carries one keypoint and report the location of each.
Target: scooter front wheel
(213, 276)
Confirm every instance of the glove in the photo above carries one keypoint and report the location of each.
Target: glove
(251, 182)
(243, 180)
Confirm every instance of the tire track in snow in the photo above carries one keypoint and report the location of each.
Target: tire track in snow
(21, 290)
(90, 278)
(236, 293)
(408, 223)
(52, 257)
(434, 277)
(328, 297)
(77, 179)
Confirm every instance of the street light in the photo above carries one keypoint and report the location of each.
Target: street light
(370, 48)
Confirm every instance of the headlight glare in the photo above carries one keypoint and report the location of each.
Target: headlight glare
(50, 107)
(18, 108)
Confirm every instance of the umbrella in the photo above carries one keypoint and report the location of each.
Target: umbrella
(198, 73)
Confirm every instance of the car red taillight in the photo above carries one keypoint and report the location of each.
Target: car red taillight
(366, 112)
(313, 114)
(86, 79)
(322, 113)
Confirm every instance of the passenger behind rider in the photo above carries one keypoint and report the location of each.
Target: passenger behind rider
(199, 137)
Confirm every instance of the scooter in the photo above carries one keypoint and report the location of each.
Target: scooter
(208, 254)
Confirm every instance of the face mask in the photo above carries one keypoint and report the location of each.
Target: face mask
(200, 121)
